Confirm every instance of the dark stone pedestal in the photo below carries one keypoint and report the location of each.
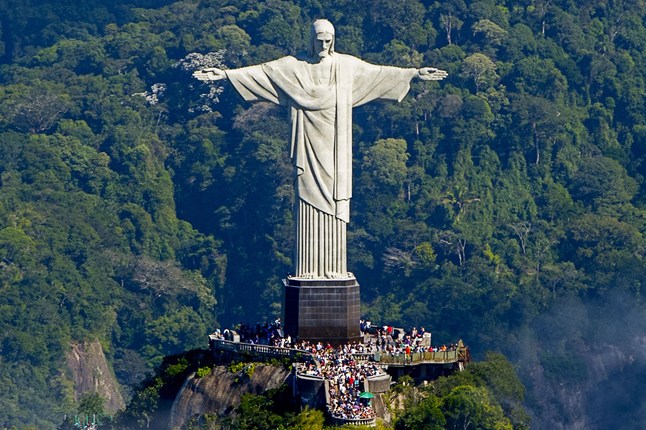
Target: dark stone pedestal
(322, 309)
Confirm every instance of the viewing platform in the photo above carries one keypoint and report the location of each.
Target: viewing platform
(347, 382)
(459, 355)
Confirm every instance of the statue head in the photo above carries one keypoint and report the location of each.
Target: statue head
(321, 39)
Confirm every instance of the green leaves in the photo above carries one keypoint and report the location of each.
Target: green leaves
(34, 108)
(471, 408)
(602, 182)
(385, 162)
(487, 395)
(479, 69)
(91, 404)
(479, 201)
(427, 415)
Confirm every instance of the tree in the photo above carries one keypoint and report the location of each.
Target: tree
(469, 408)
(480, 69)
(450, 23)
(386, 162)
(90, 404)
(541, 121)
(236, 39)
(398, 16)
(426, 415)
(255, 414)
(602, 182)
(36, 109)
(490, 31)
(459, 199)
(541, 9)
(308, 419)
(537, 77)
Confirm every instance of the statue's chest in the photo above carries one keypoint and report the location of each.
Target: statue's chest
(321, 74)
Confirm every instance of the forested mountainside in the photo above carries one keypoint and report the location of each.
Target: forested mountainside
(194, 392)
(504, 205)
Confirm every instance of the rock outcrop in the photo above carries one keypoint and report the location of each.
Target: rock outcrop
(91, 373)
(220, 391)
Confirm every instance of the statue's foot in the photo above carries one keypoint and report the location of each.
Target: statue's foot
(335, 275)
(328, 275)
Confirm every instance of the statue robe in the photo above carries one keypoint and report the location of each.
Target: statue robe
(321, 143)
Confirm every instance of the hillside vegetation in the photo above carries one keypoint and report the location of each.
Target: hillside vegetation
(504, 205)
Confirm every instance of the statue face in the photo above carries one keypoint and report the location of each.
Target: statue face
(323, 44)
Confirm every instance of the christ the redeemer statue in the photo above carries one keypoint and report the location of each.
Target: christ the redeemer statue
(320, 90)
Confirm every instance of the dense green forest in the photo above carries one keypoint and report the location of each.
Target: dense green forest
(486, 395)
(504, 205)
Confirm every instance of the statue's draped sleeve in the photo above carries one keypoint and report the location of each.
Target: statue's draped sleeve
(359, 82)
(371, 82)
(253, 84)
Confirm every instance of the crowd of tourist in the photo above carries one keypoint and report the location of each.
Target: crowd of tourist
(259, 334)
(392, 341)
(345, 376)
(338, 365)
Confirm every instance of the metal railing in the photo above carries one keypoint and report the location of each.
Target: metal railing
(255, 349)
(369, 422)
(432, 357)
(460, 354)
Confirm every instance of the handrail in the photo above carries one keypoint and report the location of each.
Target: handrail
(301, 373)
(363, 356)
(266, 350)
(437, 357)
(430, 357)
(369, 422)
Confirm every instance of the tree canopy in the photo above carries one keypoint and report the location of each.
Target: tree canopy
(143, 208)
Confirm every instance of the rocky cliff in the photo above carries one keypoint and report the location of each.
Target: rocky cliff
(91, 373)
(220, 391)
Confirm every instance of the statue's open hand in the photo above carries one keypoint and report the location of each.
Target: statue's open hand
(210, 74)
(431, 74)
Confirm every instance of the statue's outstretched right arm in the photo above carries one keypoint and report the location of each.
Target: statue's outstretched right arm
(431, 74)
(251, 82)
(210, 74)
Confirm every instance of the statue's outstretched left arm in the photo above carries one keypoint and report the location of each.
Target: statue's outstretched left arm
(431, 74)
(210, 74)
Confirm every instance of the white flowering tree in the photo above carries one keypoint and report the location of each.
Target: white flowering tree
(196, 61)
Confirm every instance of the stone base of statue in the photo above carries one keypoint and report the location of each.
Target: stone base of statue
(322, 309)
